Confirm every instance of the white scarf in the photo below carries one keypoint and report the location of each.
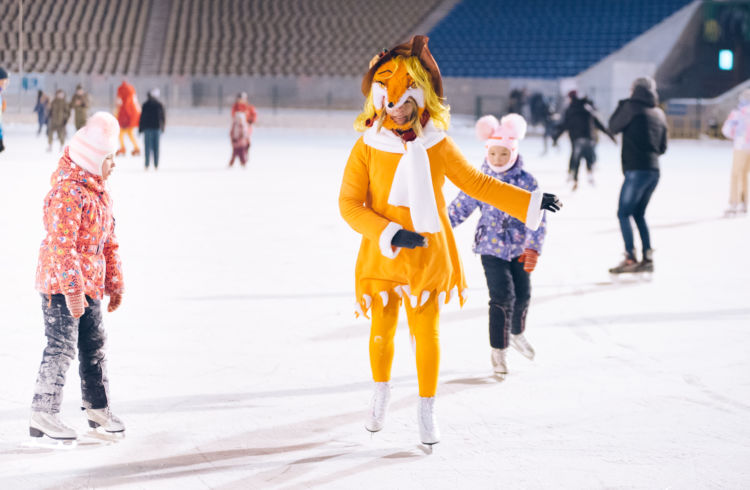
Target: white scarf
(412, 182)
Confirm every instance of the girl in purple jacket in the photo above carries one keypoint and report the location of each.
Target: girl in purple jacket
(509, 250)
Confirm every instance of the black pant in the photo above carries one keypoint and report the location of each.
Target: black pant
(582, 148)
(510, 293)
(63, 334)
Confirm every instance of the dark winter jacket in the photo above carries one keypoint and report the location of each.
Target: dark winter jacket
(59, 113)
(644, 130)
(580, 121)
(80, 104)
(152, 115)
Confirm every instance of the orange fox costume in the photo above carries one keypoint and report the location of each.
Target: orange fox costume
(128, 114)
(393, 180)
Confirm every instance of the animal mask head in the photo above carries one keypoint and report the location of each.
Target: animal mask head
(405, 72)
(392, 87)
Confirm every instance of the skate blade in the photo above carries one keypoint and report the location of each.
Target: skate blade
(624, 277)
(46, 442)
(101, 435)
(500, 376)
(428, 447)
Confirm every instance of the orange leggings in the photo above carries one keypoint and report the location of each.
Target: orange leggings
(423, 326)
(129, 132)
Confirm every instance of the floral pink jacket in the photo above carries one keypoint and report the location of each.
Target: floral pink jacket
(79, 253)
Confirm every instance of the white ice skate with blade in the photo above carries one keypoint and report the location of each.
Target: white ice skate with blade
(522, 345)
(103, 418)
(499, 365)
(378, 406)
(429, 433)
(46, 429)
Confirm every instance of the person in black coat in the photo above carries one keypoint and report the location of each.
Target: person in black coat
(151, 125)
(644, 137)
(581, 123)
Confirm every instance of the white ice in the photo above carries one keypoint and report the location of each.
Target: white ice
(236, 362)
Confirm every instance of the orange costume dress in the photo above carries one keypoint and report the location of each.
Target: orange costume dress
(393, 180)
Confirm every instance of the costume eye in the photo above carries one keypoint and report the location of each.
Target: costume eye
(413, 84)
(380, 83)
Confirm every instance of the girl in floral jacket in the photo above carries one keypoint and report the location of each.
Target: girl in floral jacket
(508, 248)
(78, 265)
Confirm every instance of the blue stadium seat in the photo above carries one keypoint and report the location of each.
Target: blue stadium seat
(549, 39)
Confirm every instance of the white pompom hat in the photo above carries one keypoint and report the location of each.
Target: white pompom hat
(507, 132)
(94, 142)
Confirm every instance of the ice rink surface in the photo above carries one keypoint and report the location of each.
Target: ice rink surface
(236, 361)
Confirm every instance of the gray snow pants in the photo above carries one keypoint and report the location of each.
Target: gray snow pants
(63, 334)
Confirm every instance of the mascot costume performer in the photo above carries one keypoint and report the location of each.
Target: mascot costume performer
(128, 114)
(392, 194)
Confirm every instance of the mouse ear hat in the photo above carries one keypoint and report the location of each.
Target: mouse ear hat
(416, 46)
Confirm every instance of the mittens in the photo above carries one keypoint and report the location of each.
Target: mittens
(529, 258)
(408, 239)
(76, 304)
(550, 202)
(114, 302)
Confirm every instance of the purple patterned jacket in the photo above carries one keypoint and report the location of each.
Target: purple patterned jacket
(497, 233)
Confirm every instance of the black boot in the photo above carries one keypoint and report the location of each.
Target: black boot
(647, 264)
(628, 264)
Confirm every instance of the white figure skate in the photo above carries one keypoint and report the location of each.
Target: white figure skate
(103, 418)
(499, 366)
(47, 429)
(522, 345)
(378, 406)
(429, 433)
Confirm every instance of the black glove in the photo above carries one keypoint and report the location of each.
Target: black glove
(550, 202)
(408, 239)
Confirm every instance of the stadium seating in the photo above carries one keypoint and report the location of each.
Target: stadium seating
(478, 38)
(216, 37)
(539, 38)
(284, 37)
(101, 37)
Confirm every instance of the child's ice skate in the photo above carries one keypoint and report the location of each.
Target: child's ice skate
(522, 345)
(46, 429)
(136, 152)
(499, 366)
(378, 406)
(120, 152)
(104, 419)
(429, 433)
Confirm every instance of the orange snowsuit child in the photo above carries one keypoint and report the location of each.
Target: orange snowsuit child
(78, 265)
(128, 114)
(392, 194)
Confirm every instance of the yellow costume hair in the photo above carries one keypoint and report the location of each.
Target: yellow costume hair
(436, 106)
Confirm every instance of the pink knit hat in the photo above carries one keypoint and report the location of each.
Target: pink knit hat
(507, 132)
(94, 142)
